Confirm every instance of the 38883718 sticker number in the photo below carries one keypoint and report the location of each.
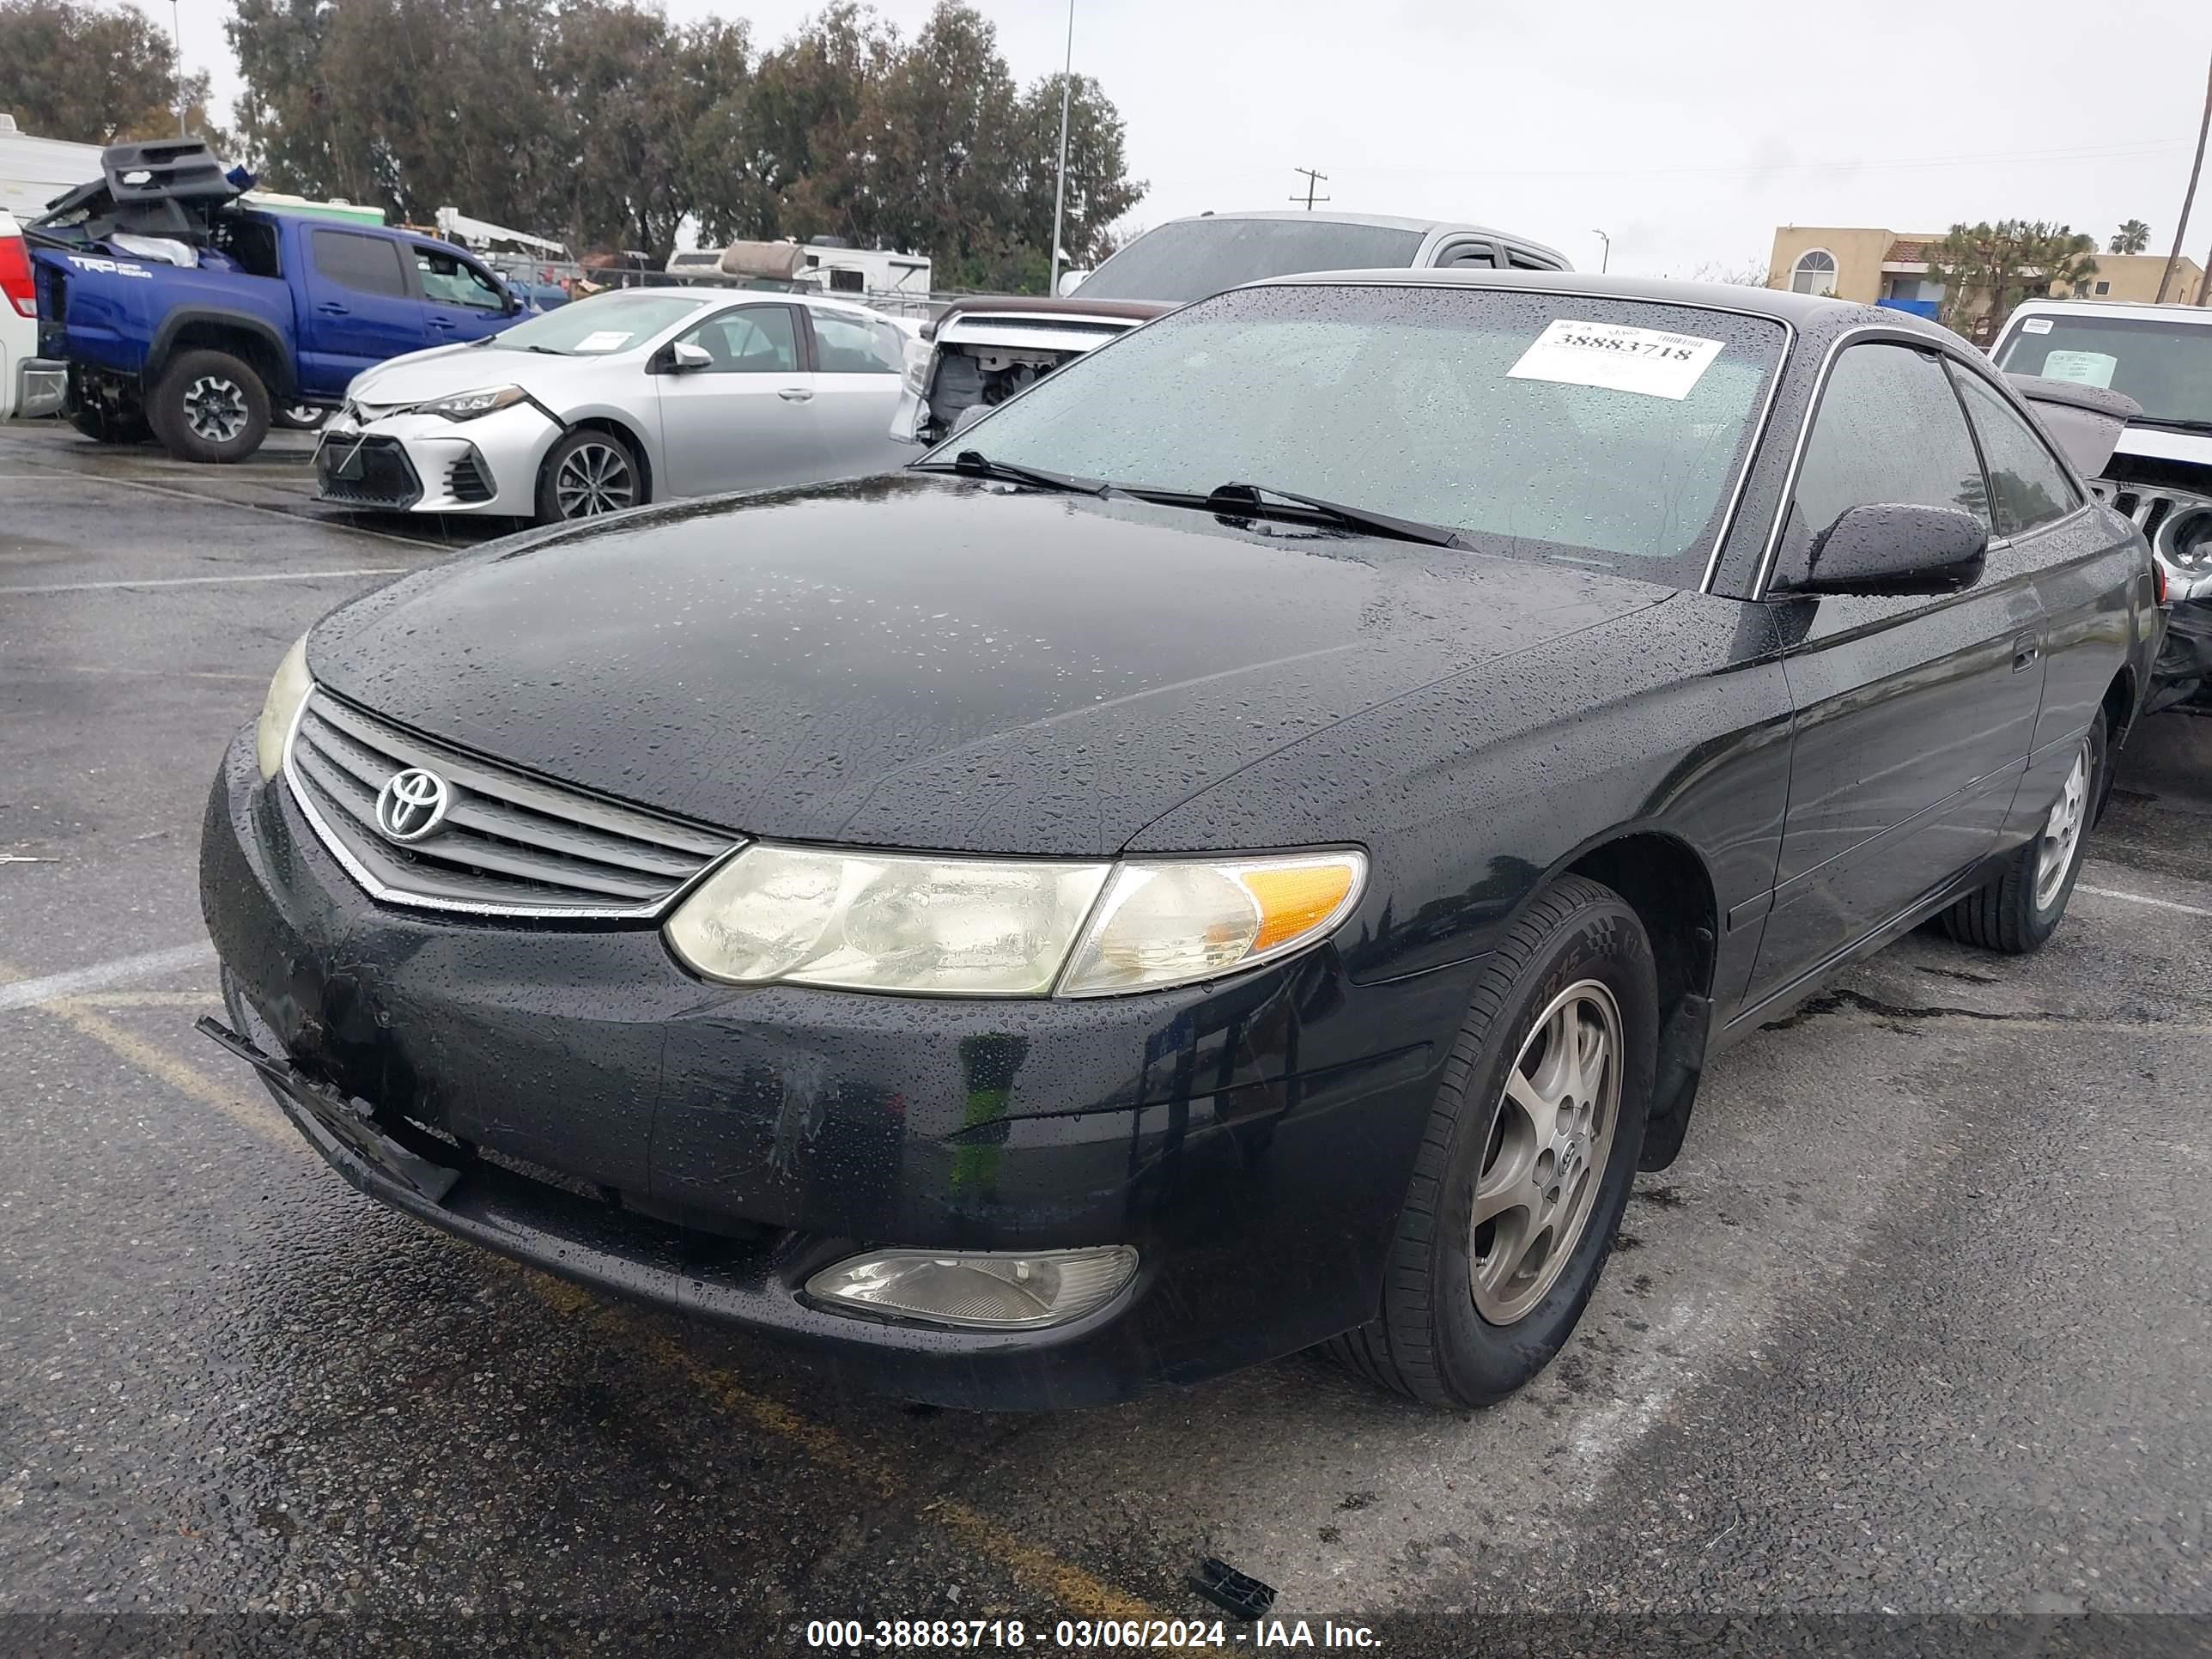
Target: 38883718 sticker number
(1618, 358)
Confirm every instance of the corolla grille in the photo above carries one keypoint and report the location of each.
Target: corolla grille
(496, 842)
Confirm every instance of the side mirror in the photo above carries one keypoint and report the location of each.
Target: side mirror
(683, 357)
(1070, 281)
(1899, 549)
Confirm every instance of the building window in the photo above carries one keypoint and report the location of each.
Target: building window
(2102, 287)
(1816, 272)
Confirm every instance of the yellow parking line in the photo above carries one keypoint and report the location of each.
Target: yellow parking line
(1035, 1568)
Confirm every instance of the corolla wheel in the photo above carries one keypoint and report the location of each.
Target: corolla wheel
(214, 409)
(2062, 832)
(1547, 1152)
(595, 475)
(1525, 1162)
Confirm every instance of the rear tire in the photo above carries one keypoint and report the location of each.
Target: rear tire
(210, 407)
(2021, 908)
(1508, 1219)
(588, 472)
(103, 423)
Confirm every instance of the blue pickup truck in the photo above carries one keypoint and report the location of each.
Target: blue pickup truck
(182, 312)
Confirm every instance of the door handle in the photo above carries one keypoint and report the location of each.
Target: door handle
(2024, 650)
(794, 394)
(332, 308)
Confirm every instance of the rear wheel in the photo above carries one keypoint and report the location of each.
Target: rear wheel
(1531, 1146)
(210, 407)
(588, 473)
(2021, 908)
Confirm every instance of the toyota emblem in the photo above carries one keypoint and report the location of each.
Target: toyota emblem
(412, 805)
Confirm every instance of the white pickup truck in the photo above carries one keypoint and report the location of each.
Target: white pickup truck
(982, 352)
(2160, 472)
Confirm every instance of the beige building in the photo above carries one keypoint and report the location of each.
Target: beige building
(1890, 268)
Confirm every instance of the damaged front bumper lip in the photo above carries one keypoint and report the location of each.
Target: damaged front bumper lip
(333, 1125)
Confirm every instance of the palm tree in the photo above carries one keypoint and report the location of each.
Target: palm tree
(2133, 237)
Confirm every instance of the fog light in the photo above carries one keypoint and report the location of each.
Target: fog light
(979, 1291)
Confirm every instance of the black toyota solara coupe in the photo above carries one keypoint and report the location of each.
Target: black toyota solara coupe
(1250, 844)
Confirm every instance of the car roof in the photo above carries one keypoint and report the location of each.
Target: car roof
(704, 291)
(1379, 221)
(1806, 311)
(2133, 311)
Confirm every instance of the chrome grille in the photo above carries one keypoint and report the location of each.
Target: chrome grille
(510, 845)
(2175, 522)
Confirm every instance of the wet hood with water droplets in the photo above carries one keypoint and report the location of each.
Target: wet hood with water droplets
(917, 661)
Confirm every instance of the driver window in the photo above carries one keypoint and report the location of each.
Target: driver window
(757, 340)
(451, 281)
(1888, 430)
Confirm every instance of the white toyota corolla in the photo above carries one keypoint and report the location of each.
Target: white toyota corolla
(619, 400)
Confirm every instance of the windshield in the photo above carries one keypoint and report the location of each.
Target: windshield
(602, 323)
(2164, 366)
(1546, 426)
(1195, 258)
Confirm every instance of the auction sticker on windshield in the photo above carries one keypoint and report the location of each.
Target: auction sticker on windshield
(607, 339)
(2082, 367)
(1617, 357)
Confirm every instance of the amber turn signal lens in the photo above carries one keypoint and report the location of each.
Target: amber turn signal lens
(1295, 899)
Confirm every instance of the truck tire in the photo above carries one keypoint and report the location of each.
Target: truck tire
(1532, 1143)
(103, 424)
(301, 417)
(209, 407)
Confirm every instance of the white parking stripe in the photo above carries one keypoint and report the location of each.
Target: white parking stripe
(213, 581)
(27, 993)
(198, 499)
(2144, 898)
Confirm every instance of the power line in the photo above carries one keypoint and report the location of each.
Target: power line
(1312, 178)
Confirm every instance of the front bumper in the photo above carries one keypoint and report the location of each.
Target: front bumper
(708, 1148)
(426, 463)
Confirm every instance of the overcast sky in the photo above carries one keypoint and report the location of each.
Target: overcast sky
(1687, 141)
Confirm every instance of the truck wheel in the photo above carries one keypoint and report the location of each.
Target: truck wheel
(210, 407)
(1531, 1146)
(588, 472)
(103, 424)
(299, 417)
(2023, 907)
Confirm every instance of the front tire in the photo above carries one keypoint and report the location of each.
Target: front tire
(2020, 910)
(210, 407)
(588, 473)
(1532, 1145)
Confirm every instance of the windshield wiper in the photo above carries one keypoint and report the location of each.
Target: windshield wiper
(974, 463)
(1265, 500)
(2172, 422)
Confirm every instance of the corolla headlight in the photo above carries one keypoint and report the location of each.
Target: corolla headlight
(469, 405)
(915, 366)
(286, 691)
(922, 926)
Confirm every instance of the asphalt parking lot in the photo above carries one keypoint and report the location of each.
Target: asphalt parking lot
(1917, 1326)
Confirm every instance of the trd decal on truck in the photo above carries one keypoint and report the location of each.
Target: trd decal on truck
(106, 267)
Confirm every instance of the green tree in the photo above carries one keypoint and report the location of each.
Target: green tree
(812, 106)
(2132, 237)
(942, 118)
(1988, 269)
(94, 75)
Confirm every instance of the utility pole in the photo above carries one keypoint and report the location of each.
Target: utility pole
(2188, 198)
(176, 28)
(1604, 258)
(1060, 190)
(1312, 180)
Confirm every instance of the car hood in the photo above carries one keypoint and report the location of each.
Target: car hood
(918, 661)
(444, 370)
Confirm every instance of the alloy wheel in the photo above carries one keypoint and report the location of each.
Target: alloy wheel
(214, 409)
(2062, 832)
(1547, 1152)
(593, 478)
